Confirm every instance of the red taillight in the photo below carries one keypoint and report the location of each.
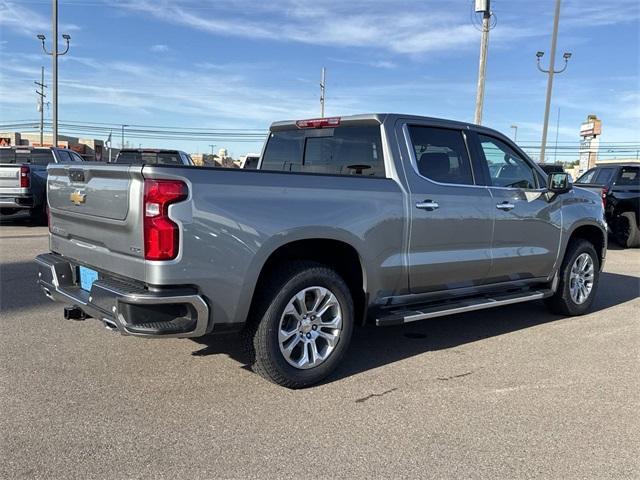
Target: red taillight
(319, 122)
(604, 193)
(24, 176)
(161, 234)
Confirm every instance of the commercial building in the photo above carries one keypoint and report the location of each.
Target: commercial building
(93, 150)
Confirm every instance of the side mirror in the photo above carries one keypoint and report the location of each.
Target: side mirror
(559, 182)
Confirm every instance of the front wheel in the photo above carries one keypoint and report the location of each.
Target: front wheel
(302, 326)
(579, 275)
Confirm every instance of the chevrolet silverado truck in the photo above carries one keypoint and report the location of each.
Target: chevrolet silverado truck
(619, 187)
(23, 178)
(379, 219)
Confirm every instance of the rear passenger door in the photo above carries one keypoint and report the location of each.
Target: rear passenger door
(451, 216)
(528, 222)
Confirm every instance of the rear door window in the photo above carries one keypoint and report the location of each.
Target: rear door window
(603, 176)
(64, 156)
(344, 150)
(587, 177)
(441, 155)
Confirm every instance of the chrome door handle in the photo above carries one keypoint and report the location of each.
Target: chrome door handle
(505, 206)
(428, 205)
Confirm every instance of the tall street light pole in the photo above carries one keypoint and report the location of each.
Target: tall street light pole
(484, 7)
(54, 65)
(551, 72)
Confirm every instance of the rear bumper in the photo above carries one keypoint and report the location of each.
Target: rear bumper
(25, 201)
(129, 307)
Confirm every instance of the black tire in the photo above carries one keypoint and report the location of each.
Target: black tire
(261, 333)
(626, 231)
(40, 215)
(562, 302)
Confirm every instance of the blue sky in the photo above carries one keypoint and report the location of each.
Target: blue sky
(244, 64)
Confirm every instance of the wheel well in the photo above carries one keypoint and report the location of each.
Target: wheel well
(591, 234)
(339, 256)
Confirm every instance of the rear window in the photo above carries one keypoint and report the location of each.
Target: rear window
(153, 158)
(35, 156)
(344, 150)
(629, 176)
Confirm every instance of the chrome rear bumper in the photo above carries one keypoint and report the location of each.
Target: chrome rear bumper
(130, 307)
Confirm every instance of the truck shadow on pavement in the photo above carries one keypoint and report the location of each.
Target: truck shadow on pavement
(373, 347)
(18, 287)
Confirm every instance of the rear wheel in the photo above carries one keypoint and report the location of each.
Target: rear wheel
(579, 275)
(302, 326)
(625, 230)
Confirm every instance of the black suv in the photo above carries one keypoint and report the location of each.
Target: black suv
(619, 187)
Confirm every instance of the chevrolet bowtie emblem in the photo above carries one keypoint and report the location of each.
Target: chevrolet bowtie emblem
(78, 197)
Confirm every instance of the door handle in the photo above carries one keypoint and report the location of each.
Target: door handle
(505, 206)
(428, 205)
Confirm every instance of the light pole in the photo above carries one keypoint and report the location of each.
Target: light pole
(54, 57)
(515, 132)
(551, 72)
(122, 138)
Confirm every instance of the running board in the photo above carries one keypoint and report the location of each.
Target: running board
(399, 317)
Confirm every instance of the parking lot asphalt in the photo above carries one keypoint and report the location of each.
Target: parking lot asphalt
(506, 393)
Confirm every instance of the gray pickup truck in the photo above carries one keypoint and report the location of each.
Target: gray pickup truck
(381, 218)
(23, 178)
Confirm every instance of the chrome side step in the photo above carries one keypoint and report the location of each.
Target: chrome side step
(399, 317)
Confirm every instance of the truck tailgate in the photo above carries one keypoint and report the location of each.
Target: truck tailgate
(9, 176)
(95, 215)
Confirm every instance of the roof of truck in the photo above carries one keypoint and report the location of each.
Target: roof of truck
(388, 118)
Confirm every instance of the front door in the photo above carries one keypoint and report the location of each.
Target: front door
(528, 220)
(451, 216)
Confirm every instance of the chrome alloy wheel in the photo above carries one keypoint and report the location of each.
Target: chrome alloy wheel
(581, 279)
(310, 327)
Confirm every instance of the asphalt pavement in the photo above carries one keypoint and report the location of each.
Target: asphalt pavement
(506, 393)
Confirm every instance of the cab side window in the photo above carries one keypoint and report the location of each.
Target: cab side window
(441, 155)
(506, 167)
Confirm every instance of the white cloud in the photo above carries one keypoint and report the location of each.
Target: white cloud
(25, 21)
(159, 48)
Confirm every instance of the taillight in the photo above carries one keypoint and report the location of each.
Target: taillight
(161, 234)
(604, 193)
(319, 122)
(24, 176)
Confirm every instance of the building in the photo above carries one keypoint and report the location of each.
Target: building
(93, 150)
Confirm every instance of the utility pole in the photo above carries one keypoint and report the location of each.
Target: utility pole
(322, 86)
(123, 125)
(41, 97)
(212, 147)
(54, 65)
(484, 7)
(515, 132)
(551, 72)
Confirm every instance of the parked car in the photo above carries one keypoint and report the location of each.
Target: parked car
(619, 187)
(23, 178)
(153, 156)
(549, 168)
(382, 218)
(250, 161)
